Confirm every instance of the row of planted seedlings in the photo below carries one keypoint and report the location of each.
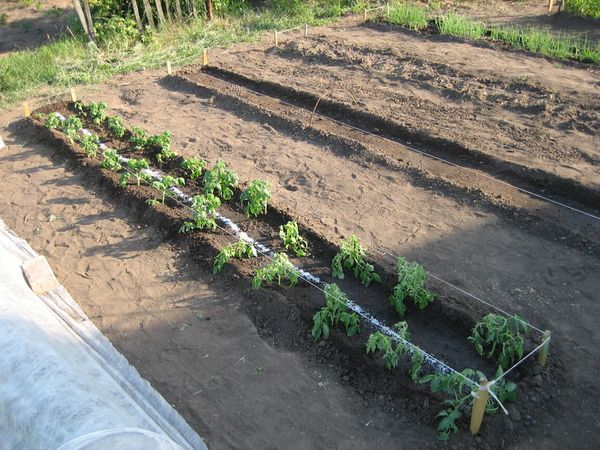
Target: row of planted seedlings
(133, 156)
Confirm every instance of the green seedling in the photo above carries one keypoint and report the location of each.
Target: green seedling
(96, 112)
(204, 213)
(255, 197)
(241, 249)
(116, 126)
(163, 142)
(221, 180)
(335, 311)
(280, 268)
(291, 238)
(352, 257)
(138, 138)
(137, 168)
(164, 184)
(411, 279)
(89, 144)
(497, 336)
(194, 166)
(52, 121)
(111, 160)
(71, 127)
(383, 343)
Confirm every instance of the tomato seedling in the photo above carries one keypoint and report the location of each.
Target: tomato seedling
(204, 213)
(380, 342)
(351, 256)
(136, 168)
(71, 127)
(221, 180)
(194, 166)
(89, 144)
(96, 112)
(163, 142)
(335, 311)
(280, 268)
(411, 279)
(291, 238)
(138, 138)
(255, 197)
(164, 184)
(241, 249)
(110, 160)
(116, 126)
(52, 121)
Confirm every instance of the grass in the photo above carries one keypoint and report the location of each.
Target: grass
(533, 39)
(589, 8)
(71, 60)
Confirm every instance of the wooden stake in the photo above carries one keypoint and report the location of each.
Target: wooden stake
(169, 68)
(550, 6)
(205, 57)
(88, 18)
(80, 14)
(365, 15)
(543, 355)
(149, 14)
(136, 13)
(161, 15)
(73, 95)
(26, 110)
(479, 405)
(305, 30)
(276, 39)
(2, 144)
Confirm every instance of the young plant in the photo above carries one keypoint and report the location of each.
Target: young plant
(221, 180)
(280, 268)
(352, 257)
(194, 166)
(411, 279)
(383, 343)
(497, 336)
(96, 112)
(204, 213)
(335, 311)
(71, 127)
(163, 142)
(138, 138)
(116, 125)
(136, 168)
(292, 240)
(89, 144)
(52, 121)
(255, 198)
(241, 249)
(164, 184)
(111, 160)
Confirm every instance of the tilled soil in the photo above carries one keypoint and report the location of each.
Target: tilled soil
(280, 402)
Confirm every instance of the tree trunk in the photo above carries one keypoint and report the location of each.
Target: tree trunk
(161, 15)
(209, 14)
(136, 13)
(88, 18)
(149, 16)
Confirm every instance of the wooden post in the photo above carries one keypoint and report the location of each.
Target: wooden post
(205, 57)
(169, 68)
(149, 14)
(2, 144)
(26, 110)
(161, 15)
(80, 14)
(365, 15)
(543, 355)
(168, 10)
(209, 14)
(305, 30)
(479, 405)
(73, 95)
(276, 39)
(178, 9)
(550, 6)
(88, 18)
(136, 13)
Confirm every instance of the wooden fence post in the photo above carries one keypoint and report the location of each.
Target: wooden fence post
(79, 10)
(543, 355)
(178, 9)
(88, 18)
(479, 405)
(209, 13)
(136, 13)
(149, 13)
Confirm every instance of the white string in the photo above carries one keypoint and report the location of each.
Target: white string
(521, 361)
(421, 152)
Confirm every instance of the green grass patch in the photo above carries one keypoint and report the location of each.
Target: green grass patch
(409, 16)
(457, 25)
(588, 8)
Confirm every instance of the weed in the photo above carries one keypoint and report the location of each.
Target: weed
(497, 336)
(194, 166)
(163, 142)
(89, 144)
(280, 268)
(166, 183)
(111, 160)
(255, 197)
(116, 125)
(52, 121)
(291, 238)
(351, 256)
(411, 279)
(204, 213)
(221, 180)
(241, 249)
(335, 311)
(589, 8)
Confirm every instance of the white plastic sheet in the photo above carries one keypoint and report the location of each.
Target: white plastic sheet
(62, 384)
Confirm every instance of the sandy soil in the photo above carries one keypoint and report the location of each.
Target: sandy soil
(210, 369)
(30, 27)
